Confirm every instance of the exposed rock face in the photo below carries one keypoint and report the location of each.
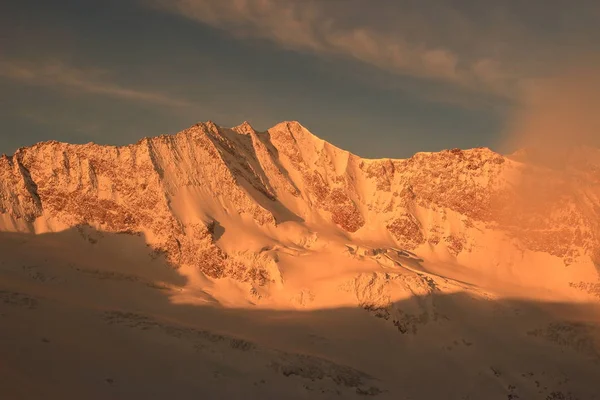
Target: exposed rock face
(173, 188)
(18, 194)
(407, 231)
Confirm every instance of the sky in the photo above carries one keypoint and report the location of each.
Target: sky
(379, 78)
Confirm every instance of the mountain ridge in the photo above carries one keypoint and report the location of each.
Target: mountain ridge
(177, 188)
(243, 127)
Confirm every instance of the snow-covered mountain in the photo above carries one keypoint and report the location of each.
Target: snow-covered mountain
(287, 186)
(282, 220)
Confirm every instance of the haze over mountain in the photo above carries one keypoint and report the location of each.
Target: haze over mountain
(231, 263)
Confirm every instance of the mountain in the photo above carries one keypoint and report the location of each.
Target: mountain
(268, 252)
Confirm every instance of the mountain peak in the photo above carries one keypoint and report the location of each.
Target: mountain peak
(244, 128)
(290, 125)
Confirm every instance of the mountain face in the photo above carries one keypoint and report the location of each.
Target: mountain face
(299, 246)
(468, 206)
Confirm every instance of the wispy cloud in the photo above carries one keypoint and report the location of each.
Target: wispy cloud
(325, 27)
(93, 81)
(472, 47)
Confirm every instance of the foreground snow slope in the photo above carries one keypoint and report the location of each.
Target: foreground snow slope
(232, 263)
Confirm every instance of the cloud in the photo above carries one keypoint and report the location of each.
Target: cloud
(476, 47)
(556, 132)
(400, 45)
(92, 81)
(558, 114)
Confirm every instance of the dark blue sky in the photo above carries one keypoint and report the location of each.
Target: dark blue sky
(378, 78)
